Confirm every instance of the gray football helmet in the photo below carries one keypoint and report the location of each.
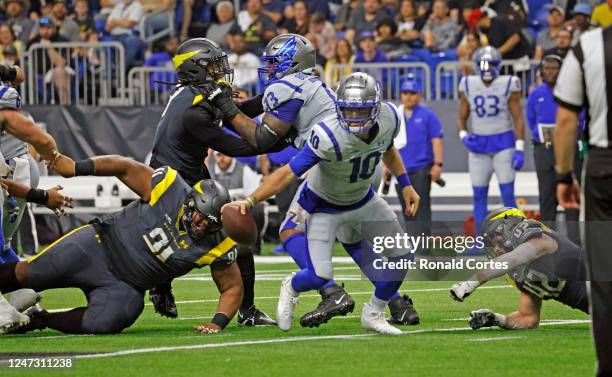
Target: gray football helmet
(206, 197)
(358, 102)
(286, 54)
(488, 61)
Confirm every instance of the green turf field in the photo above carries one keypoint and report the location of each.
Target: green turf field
(441, 345)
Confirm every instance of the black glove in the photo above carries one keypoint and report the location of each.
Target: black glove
(482, 318)
(221, 96)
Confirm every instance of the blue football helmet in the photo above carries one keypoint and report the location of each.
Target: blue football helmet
(358, 102)
(488, 61)
(284, 55)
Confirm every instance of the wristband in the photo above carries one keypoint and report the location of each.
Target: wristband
(38, 196)
(403, 180)
(565, 178)
(84, 167)
(519, 145)
(463, 134)
(220, 320)
(500, 320)
(251, 201)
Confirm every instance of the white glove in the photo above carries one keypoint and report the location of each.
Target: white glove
(460, 291)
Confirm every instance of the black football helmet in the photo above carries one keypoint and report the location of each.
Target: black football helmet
(207, 197)
(201, 61)
(497, 229)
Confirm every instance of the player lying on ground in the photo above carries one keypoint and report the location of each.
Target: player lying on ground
(542, 264)
(295, 99)
(172, 229)
(341, 155)
(10, 316)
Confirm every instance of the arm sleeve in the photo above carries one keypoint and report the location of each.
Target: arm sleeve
(288, 111)
(531, 112)
(252, 107)
(569, 91)
(303, 161)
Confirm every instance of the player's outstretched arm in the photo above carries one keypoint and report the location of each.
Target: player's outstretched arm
(22, 128)
(526, 317)
(523, 254)
(393, 161)
(135, 175)
(229, 284)
(51, 198)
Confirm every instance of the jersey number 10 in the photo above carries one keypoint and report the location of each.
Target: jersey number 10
(365, 168)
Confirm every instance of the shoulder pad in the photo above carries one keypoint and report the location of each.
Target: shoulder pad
(395, 115)
(514, 85)
(279, 92)
(9, 98)
(161, 180)
(524, 231)
(324, 143)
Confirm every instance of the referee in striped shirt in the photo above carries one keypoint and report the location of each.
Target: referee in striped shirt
(585, 81)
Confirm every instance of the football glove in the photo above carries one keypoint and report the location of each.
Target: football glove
(482, 318)
(460, 291)
(220, 94)
(518, 159)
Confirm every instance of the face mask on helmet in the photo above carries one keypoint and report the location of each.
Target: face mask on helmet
(358, 118)
(219, 69)
(198, 224)
(488, 68)
(275, 65)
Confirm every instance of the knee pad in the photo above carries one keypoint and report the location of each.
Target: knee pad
(507, 194)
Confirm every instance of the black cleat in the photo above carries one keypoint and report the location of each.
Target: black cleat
(254, 317)
(335, 301)
(37, 315)
(163, 301)
(403, 312)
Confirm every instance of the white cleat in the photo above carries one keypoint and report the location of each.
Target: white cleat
(23, 299)
(286, 305)
(374, 320)
(10, 318)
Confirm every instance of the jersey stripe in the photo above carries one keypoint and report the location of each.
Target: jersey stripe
(197, 99)
(162, 186)
(3, 90)
(223, 247)
(333, 140)
(33, 258)
(292, 86)
(467, 87)
(508, 86)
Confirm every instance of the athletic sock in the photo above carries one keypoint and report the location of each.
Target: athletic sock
(507, 194)
(8, 278)
(480, 206)
(307, 280)
(69, 322)
(246, 263)
(297, 246)
(377, 303)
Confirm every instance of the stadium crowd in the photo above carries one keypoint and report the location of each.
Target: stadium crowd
(344, 32)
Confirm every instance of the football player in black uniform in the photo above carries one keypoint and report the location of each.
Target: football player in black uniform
(541, 263)
(172, 229)
(189, 126)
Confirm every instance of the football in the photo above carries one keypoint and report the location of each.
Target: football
(241, 228)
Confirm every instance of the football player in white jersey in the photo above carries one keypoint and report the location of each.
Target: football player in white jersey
(341, 155)
(492, 102)
(294, 100)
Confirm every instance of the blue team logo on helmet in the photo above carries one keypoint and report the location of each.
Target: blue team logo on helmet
(279, 62)
(488, 62)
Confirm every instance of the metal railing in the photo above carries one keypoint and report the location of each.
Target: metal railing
(80, 73)
(448, 75)
(144, 91)
(390, 75)
(156, 35)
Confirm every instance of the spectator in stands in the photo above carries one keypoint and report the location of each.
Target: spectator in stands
(409, 24)
(219, 31)
(245, 63)
(391, 7)
(465, 51)
(122, 24)
(344, 14)
(563, 42)
(369, 53)
(441, 30)
(49, 63)
(159, 13)
(581, 21)
(258, 28)
(163, 51)
(300, 22)
(387, 40)
(343, 55)
(8, 40)
(10, 56)
(84, 19)
(323, 31)
(501, 33)
(274, 9)
(66, 27)
(364, 19)
(17, 14)
(602, 14)
(546, 38)
(314, 6)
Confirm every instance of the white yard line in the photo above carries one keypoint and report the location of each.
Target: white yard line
(495, 338)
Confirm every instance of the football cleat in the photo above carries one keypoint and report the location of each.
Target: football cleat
(23, 299)
(335, 301)
(36, 314)
(10, 318)
(163, 301)
(287, 302)
(403, 311)
(254, 317)
(374, 320)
